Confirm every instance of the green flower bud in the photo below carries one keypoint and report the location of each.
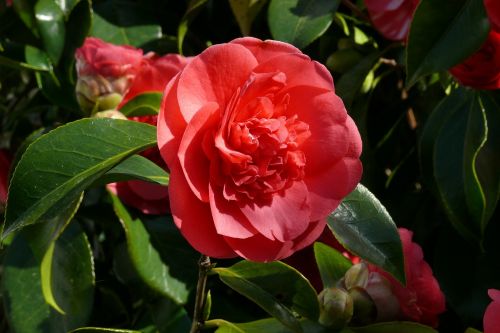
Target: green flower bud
(365, 311)
(356, 276)
(336, 308)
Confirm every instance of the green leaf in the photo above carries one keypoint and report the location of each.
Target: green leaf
(269, 325)
(331, 263)
(245, 12)
(67, 274)
(136, 167)
(300, 22)
(472, 330)
(58, 166)
(350, 83)
(24, 303)
(443, 34)
(133, 35)
(143, 105)
(192, 11)
(164, 315)
(24, 57)
(101, 330)
(146, 259)
(364, 227)
(274, 286)
(50, 22)
(464, 178)
(394, 327)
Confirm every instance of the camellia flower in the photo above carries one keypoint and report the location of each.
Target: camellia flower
(392, 18)
(482, 69)
(260, 149)
(493, 11)
(105, 73)
(491, 319)
(5, 161)
(421, 300)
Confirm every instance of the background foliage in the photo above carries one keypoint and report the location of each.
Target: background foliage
(431, 157)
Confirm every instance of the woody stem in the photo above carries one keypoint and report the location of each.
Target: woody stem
(204, 267)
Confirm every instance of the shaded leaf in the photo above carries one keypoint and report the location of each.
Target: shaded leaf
(192, 10)
(50, 22)
(130, 35)
(365, 228)
(67, 274)
(300, 22)
(274, 286)
(142, 105)
(101, 330)
(269, 325)
(136, 167)
(58, 166)
(331, 263)
(443, 34)
(245, 12)
(146, 259)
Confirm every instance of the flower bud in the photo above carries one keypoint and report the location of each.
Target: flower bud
(364, 309)
(336, 308)
(387, 304)
(113, 114)
(356, 276)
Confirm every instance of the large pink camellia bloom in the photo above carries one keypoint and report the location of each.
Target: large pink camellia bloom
(482, 69)
(392, 18)
(421, 300)
(260, 149)
(491, 319)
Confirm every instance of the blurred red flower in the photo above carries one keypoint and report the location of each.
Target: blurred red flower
(491, 319)
(482, 69)
(392, 18)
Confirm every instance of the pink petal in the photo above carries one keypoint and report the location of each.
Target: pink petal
(130, 197)
(314, 230)
(285, 218)
(265, 50)
(148, 191)
(194, 162)
(171, 124)
(213, 76)
(491, 319)
(494, 295)
(328, 188)
(259, 248)
(194, 219)
(382, 5)
(228, 218)
(326, 116)
(300, 70)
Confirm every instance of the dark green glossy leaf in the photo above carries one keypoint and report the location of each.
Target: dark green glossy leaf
(269, 325)
(394, 327)
(146, 259)
(58, 166)
(24, 57)
(67, 6)
(142, 105)
(350, 83)
(67, 274)
(164, 316)
(464, 178)
(443, 34)
(331, 263)
(364, 227)
(130, 35)
(136, 167)
(245, 12)
(192, 10)
(300, 22)
(50, 22)
(22, 295)
(274, 286)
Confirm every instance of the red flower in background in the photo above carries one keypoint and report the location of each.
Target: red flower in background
(491, 319)
(421, 300)
(260, 149)
(5, 161)
(493, 11)
(392, 18)
(482, 69)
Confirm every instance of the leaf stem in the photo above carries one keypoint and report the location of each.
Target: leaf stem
(204, 266)
(358, 12)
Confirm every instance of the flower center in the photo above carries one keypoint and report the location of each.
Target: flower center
(261, 151)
